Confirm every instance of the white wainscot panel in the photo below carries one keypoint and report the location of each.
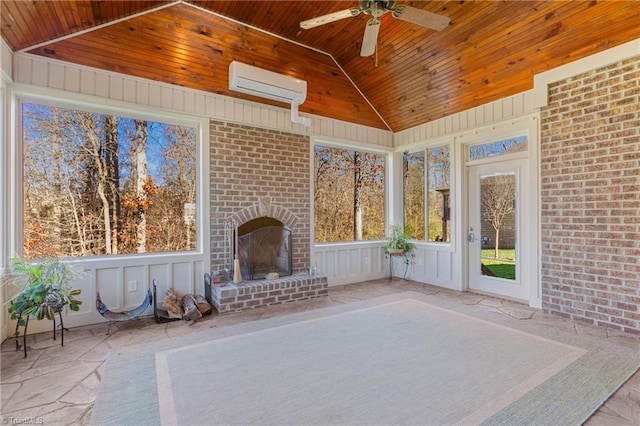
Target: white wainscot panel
(160, 273)
(346, 263)
(111, 276)
(444, 266)
(353, 258)
(342, 263)
(377, 260)
(419, 262)
(432, 264)
(85, 284)
(109, 285)
(182, 278)
(134, 286)
(325, 262)
(198, 276)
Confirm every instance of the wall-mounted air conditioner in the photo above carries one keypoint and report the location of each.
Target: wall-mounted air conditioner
(270, 85)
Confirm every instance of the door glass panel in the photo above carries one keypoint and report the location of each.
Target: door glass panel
(498, 225)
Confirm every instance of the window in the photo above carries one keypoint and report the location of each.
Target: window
(494, 149)
(434, 164)
(413, 166)
(96, 184)
(438, 176)
(348, 195)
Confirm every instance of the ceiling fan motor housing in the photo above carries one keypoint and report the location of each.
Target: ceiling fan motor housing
(376, 8)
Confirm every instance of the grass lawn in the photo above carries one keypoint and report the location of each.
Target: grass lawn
(504, 266)
(503, 254)
(502, 270)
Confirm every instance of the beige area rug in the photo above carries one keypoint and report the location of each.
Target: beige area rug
(398, 359)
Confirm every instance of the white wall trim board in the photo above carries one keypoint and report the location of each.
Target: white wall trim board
(33, 70)
(6, 61)
(498, 111)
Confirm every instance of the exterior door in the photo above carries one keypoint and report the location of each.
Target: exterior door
(497, 234)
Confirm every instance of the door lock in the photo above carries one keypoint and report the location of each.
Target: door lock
(471, 237)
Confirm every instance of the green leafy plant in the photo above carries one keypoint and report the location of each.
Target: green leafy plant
(42, 289)
(398, 239)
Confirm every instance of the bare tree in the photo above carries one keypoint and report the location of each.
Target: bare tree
(88, 189)
(349, 192)
(178, 171)
(497, 195)
(95, 147)
(368, 178)
(358, 182)
(113, 177)
(139, 148)
(413, 183)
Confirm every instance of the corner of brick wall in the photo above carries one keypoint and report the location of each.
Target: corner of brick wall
(250, 163)
(590, 206)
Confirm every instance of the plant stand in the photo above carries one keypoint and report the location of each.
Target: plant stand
(58, 310)
(390, 255)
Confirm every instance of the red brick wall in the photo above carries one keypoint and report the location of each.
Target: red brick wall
(249, 165)
(590, 183)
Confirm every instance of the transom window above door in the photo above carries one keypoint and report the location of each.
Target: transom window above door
(498, 148)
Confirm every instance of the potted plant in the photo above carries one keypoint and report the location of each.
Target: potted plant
(397, 241)
(42, 291)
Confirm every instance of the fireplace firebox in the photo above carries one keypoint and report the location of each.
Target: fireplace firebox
(264, 247)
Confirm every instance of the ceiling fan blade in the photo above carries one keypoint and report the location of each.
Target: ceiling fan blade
(331, 17)
(421, 17)
(370, 39)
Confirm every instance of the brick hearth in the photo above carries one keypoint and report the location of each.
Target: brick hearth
(252, 294)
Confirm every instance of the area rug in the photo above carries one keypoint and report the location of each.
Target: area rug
(399, 359)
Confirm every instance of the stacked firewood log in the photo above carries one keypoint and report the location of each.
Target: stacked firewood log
(188, 307)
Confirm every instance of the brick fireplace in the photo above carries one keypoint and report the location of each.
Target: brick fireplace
(258, 173)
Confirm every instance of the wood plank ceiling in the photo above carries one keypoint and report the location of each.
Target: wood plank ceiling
(489, 50)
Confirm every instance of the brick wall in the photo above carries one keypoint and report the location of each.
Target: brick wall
(257, 172)
(590, 183)
(507, 233)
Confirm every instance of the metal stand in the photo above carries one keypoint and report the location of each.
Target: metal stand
(26, 325)
(390, 256)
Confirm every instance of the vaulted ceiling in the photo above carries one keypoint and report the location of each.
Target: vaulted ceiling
(489, 50)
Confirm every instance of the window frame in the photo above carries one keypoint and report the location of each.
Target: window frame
(53, 98)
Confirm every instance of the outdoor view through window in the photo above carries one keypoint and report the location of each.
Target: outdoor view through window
(349, 195)
(430, 167)
(97, 184)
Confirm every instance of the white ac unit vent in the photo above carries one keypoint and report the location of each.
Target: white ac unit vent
(270, 85)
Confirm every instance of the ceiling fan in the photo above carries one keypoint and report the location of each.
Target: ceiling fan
(376, 9)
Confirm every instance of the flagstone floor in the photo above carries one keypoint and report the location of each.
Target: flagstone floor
(57, 385)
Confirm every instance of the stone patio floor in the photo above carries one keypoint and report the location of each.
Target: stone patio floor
(57, 385)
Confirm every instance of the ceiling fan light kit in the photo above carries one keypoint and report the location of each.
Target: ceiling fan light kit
(377, 8)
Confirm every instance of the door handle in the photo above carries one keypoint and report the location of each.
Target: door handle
(471, 237)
